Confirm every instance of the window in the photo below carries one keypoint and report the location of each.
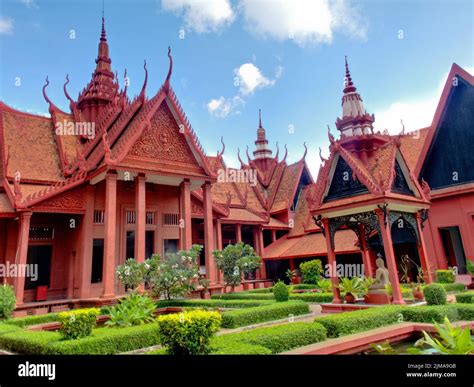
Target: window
(130, 245)
(40, 256)
(97, 260)
(149, 244)
(453, 248)
(170, 219)
(150, 218)
(39, 233)
(131, 217)
(170, 246)
(99, 216)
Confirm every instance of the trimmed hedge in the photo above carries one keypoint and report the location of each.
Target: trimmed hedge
(445, 276)
(259, 291)
(243, 296)
(465, 312)
(28, 342)
(33, 320)
(455, 287)
(362, 320)
(430, 313)
(307, 297)
(7, 328)
(234, 347)
(276, 311)
(281, 292)
(465, 298)
(276, 339)
(303, 287)
(214, 303)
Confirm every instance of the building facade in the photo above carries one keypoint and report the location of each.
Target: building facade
(119, 177)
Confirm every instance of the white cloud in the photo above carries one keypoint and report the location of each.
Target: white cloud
(203, 15)
(278, 72)
(222, 107)
(251, 78)
(30, 3)
(6, 26)
(304, 21)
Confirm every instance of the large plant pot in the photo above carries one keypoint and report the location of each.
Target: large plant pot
(350, 299)
(418, 295)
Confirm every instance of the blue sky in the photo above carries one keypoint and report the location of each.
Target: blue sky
(233, 57)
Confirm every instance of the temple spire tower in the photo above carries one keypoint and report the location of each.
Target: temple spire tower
(102, 89)
(262, 150)
(355, 120)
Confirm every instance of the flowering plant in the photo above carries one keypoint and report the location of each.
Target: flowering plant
(131, 273)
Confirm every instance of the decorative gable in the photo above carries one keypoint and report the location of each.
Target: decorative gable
(162, 140)
(344, 183)
(400, 184)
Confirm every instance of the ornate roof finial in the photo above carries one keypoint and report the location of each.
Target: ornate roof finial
(65, 90)
(349, 85)
(305, 151)
(277, 152)
(321, 156)
(260, 118)
(142, 92)
(286, 154)
(330, 136)
(219, 154)
(248, 156)
(170, 70)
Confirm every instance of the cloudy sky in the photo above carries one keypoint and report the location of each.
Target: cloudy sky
(232, 57)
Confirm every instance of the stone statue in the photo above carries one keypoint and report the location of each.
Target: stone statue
(381, 275)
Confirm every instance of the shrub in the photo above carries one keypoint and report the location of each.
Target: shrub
(430, 314)
(276, 339)
(33, 320)
(465, 312)
(325, 285)
(261, 290)
(351, 322)
(235, 347)
(304, 286)
(455, 287)
(445, 276)
(134, 309)
(131, 273)
(29, 342)
(188, 333)
(174, 276)
(235, 260)
(312, 297)
(353, 286)
(196, 303)
(434, 294)
(78, 323)
(7, 328)
(7, 301)
(470, 266)
(276, 311)
(311, 271)
(107, 341)
(465, 298)
(280, 291)
(243, 296)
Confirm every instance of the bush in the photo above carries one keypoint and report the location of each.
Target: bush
(325, 285)
(29, 342)
(7, 301)
(312, 297)
(434, 294)
(276, 311)
(311, 271)
(197, 303)
(430, 314)
(188, 333)
(465, 298)
(465, 312)
(351, 322)
(131, 274)
(455, 287)
(260, 290)
(7, 328)
(470, 266)
(78, 323)
(243, 296)
(445, 276)
(34, 320)
(303, 287)
(280, 291)
(277, 339)
(235, 347)
(134, 309)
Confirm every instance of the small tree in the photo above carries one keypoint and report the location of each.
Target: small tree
(131, 273)
(235, 260)
(311, 271)
(174, 276)
(7, 301)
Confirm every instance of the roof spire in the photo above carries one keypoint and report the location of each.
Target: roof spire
(349, 85)
(261, 143)
(260, 118)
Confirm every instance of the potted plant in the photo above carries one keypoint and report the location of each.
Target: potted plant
(292, 276)
(351, 287)
(417, 292)
(204, 283)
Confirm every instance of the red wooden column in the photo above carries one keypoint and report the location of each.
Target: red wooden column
(219, 234)
(22, 254)
(186, 231)
(274, 236)
(70, 275)
(332, 264)
(211, 270)
(368, 269)
(85, 260)
(390, 258)
(263, 268)
(238, 233)
(425, 264)
(140, 222)
(110, 230)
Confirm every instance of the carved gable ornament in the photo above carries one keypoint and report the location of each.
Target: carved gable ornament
(162, 140)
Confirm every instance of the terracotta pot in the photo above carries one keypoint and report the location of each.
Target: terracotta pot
(418, 295)
(350, 299)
